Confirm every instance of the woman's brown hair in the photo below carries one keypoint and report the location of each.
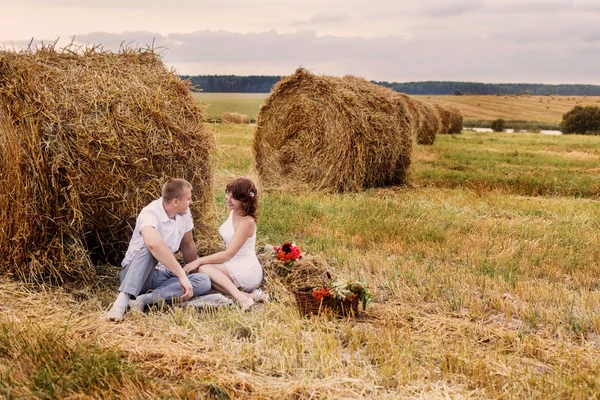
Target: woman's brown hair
(244, 190)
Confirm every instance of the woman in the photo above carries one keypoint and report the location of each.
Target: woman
(237, 267)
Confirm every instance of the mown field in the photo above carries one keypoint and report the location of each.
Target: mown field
(536, 112)
(546, 111)
(485, 271)
(218, 104)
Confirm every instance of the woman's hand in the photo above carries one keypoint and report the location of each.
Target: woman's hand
(193, 266)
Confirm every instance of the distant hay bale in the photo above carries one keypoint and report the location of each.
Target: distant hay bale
(431, 124)
(234, 118)
(227, 118)
(423, 116)
(327, 133)
(244, 119)
(444, 118)
(456, 120)
(87, 138)
(451, 119)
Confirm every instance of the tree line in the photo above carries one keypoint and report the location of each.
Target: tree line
(264, 84)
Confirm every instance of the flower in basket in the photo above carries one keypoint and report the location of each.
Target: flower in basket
(288, 253)
(344, 290)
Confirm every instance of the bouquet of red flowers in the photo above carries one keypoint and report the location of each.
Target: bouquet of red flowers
(288, 252)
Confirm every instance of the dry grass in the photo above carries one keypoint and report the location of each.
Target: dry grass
(546, 109)
(87, 139)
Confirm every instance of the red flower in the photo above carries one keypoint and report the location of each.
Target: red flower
(288, 252)
(321, 293)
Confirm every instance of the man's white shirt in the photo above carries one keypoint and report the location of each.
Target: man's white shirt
(172, 231)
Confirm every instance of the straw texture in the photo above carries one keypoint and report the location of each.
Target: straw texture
(451, 119)
(87, 138)
(328, 133)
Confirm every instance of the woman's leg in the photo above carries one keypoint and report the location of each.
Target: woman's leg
(221, 280)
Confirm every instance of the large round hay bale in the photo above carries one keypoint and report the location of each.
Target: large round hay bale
(233, 118)
(451, 119)
(228, 118)
(237, 118)
(244, 119)
(425, 121)
(339, 134)
(430, 123)
(456, 120)
(87, 139)
(444, 114)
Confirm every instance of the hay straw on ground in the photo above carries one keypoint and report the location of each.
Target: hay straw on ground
(281, 280)
(87, 138)
(339, 134)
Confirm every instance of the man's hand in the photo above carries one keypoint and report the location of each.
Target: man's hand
(192, 266)
(186, 286)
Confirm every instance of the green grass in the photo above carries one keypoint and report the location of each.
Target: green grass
(523, 164)
(528, 126)
(220, 103)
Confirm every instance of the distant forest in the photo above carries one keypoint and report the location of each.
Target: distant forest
(264, 84)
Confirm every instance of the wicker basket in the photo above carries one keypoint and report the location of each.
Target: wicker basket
(309, 305)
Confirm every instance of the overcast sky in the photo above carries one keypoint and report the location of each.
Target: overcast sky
(544, 41)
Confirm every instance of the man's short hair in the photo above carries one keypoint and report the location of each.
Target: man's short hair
(174, 188)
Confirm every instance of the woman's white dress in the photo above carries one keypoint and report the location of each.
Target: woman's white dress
(244, 268)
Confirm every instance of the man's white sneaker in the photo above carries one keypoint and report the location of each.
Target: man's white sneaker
(136, 306)
(115, 314)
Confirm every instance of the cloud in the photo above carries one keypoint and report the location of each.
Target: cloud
(130, 4)
(496, 58)
(452, 8)
(323, 18)
(593, 37)
(529, 54)
(533, 7)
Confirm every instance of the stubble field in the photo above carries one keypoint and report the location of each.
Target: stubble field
(541, 112)
(485, 271)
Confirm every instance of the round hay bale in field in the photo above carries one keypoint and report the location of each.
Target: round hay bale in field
(430, 123)
(451, 119)
(456, 120)
(232, 118)
(327, 133)
(227, 118)
(87, 139)
(444, 118)
(244, 119)
(423, 116)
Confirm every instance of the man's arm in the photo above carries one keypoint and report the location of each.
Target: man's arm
(188, 248)
(162, 253)
(244, 230)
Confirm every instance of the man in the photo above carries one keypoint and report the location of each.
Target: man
(161, 228)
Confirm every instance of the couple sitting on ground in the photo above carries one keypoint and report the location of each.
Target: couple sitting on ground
(150, 271)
